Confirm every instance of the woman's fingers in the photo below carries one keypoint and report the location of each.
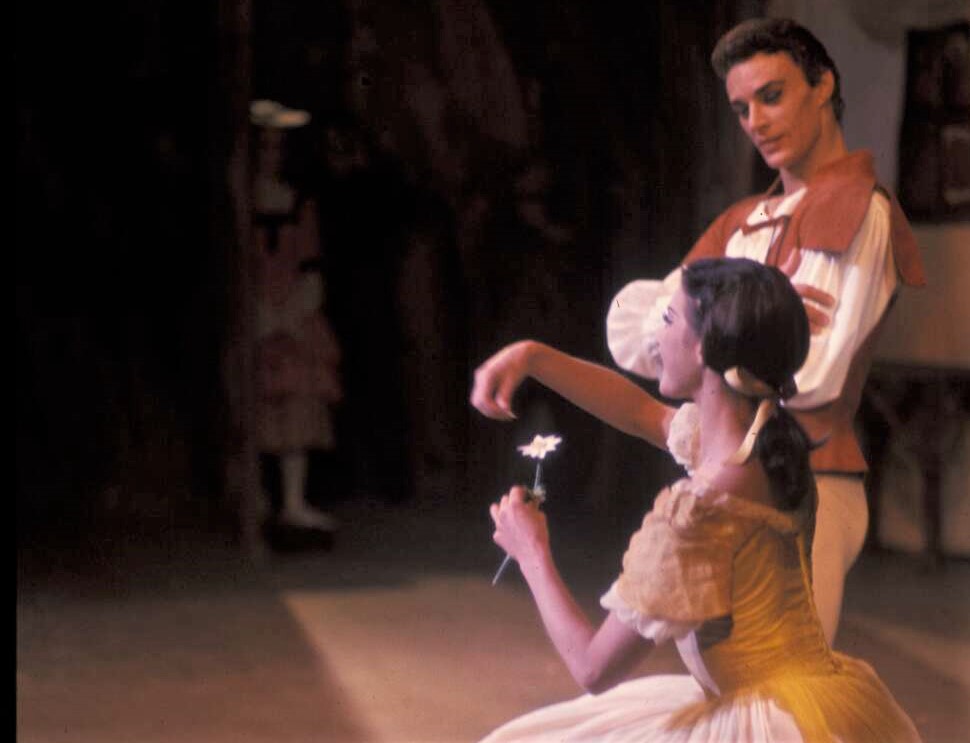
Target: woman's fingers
(497, 380)
(814, 294)
(817, 319)
(517, 494)
(503, 398)
(515, 498)
(792, 263)
(506, 513)
(816, 302)
(491, 394)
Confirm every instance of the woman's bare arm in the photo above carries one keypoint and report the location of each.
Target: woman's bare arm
(602, 392)
(597, 658)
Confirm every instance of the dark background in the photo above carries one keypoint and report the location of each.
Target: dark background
(133, 335)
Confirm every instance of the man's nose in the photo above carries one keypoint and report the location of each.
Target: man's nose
(757, 120)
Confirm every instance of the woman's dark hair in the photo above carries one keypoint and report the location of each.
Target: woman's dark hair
(748, 315)
(773, 35)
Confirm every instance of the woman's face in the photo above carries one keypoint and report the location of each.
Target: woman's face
(779, 111)
(680, 350)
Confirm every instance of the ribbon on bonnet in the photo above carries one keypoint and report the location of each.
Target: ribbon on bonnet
(744, 382)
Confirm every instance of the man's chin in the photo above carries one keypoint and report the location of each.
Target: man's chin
(776, 159)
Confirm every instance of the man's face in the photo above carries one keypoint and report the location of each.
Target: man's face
(779, 111)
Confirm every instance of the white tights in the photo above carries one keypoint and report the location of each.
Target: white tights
(296, 510)
(293, 469)
(840, 530)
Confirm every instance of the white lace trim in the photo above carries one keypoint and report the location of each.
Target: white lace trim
(684, 436)
(658, 630)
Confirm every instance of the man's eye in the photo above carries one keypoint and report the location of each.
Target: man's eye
(771, 96)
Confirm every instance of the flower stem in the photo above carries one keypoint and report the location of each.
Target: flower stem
(501, 569)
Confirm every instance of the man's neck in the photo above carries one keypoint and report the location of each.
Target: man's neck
(829, 147)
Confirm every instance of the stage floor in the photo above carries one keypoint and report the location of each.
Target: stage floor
(394, 635)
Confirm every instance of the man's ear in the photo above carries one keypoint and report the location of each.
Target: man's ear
(825, 87)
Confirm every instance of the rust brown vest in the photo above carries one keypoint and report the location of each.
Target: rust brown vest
(827, 218)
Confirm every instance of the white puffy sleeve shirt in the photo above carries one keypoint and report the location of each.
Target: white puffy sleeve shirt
(862, 280)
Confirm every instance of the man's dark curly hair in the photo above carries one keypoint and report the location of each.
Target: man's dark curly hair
(773, 35)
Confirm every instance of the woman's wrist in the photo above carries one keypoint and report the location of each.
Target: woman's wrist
(536, 561)
(527, 351)
(533, 353)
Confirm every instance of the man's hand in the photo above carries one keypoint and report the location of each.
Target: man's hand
(817, 303)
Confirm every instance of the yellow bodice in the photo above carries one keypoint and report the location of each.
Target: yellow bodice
(774, 628)
(740, 572)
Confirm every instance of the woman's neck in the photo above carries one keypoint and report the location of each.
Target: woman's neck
(725, 417)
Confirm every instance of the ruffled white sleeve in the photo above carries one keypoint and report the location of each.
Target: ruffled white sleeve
(684, 436)
(658, 630)
(633, 321)
(862, 280)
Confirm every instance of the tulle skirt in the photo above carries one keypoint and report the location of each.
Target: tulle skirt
(646, 709)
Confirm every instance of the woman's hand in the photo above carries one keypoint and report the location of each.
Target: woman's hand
(520, 527)
(498, 378)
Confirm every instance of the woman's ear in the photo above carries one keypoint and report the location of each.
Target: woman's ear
(699, 351)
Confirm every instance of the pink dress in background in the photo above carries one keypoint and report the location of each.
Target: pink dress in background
(297, 351)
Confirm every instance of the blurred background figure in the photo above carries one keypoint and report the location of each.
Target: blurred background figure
(297, 352)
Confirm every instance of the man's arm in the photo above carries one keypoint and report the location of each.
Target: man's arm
(862, 280)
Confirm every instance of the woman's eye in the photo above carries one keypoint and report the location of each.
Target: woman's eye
(667, 317)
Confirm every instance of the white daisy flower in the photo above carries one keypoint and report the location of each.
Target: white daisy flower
(540, 446)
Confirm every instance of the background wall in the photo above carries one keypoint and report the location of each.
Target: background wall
(932, 325)
(555, 151)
